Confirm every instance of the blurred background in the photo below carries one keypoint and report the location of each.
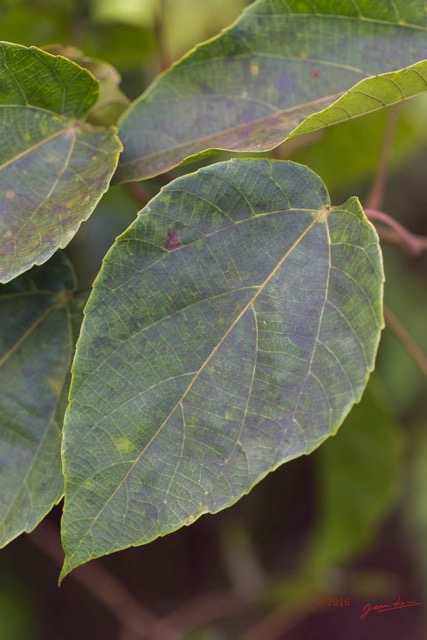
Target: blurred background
(301, 555)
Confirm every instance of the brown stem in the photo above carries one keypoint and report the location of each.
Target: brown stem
(168, 176)
(241, 561)
(415, 244)
(276, 623)
(108, 590)
(138, 192)
(165, 57)
(287, 148)
(376, 196)
(205, 609)
(406, 340)
(395, 238)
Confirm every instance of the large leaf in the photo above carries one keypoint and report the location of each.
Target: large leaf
(252, 86)
(36, 342)
(54, 167)
(231, 328)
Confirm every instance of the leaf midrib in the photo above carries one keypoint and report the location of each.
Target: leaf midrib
(65, 163)
(213, 136)
(26, 334)
(195, 378)
(36, 145)
(182, 248)
(310, 16)
(49, 423)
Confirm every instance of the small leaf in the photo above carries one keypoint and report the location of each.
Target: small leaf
(111, 102)
(325, 156)
(250, 88)
(54, 167)
(32, 77)
(36, 343)
(367, 96)
(231, 329)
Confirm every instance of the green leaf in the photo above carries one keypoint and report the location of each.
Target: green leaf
(36, 343)
(34, 78)
(359, 480)
(369, 95)
(112, 102)
(251, 87)
(325, 156)
(231, 329)
(54, 167)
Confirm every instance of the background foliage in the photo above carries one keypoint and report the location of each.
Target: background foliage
(268, 559)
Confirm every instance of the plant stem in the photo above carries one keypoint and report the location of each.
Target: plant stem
(395, 238)
(376, 196)
(415, 244)
(107, 589)
(205, 609)
(138, 192)
(240, 559)
(277, 623)
(406, 340)
(165, 57)
(167, 177)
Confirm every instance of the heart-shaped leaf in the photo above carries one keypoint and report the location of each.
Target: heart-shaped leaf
(54, 167)
(231, 329)
(36, 343)
(251, 87)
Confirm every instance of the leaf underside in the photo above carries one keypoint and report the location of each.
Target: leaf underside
(250, 88)
(35, 355)
(231, 329)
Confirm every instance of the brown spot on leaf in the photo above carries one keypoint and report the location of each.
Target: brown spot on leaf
(315, 74)
(254, 69)
(172, 240)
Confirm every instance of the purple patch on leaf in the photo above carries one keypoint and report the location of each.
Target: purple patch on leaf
(172, 240)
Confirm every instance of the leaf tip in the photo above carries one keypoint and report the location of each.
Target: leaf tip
(68, 566)
(64, 572)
